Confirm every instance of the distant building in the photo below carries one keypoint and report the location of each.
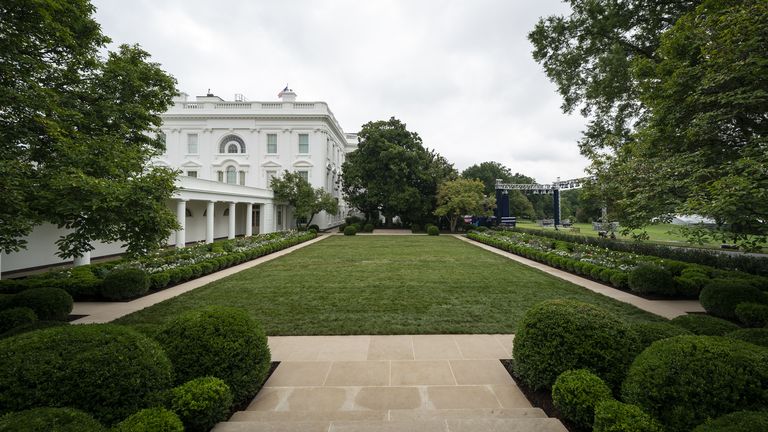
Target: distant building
(227, 152)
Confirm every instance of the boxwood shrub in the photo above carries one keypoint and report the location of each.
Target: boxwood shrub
(757, 336)
(615, 416)
(125, 283)
(151, 420)
(107, 370)
(201, 403)
(721, 296)
(739, 421)
(159, 280)
(650, 332)
(37, 325)
(49, 420)
(559, 335)
(704, 325)
(368, 228)
(433, 230)
(350, 230)
(651, 279)
(576, 393)
(49, 304)
(221, 342)
(752, 314)
(684, 380)
(14, 317)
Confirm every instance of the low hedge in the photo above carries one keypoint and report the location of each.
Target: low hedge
(704, 325)
(752, 314)
(650, 332)
(107, 370)
(576, 393)
(739, 421)
(37, 325)
(49, 420)
(684, 380)
(15, 317)
(368, 228)
(151, 420)
(756, 336)
(49, 304)
(559, 335)
(652, 279)
(433, 230)
(721, 296)
(201, 403)
(218, 341)
(125, 283)
(615, 416)
(350, 230)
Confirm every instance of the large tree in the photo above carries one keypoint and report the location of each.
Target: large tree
(520, 204)
(460, 197)
(391, 172)
(306, 200)
(77, 131)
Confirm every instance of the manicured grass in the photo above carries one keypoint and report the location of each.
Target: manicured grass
(384, 285)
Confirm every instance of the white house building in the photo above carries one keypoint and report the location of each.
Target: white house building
(227, 152)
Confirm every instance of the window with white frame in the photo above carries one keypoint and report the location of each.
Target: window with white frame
(303, 143)
(242, 178)
(192, 144)
(232, 144)
(221, 176)
(270, 175)
(231, 175)
(271, 143)
(192, 174)
(304, 174)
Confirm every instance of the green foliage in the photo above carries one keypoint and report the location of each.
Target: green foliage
(15, 317)
(433, 230)
(651, 279)
(49, 420)
(125, 283)
(739, 421)
(650, 332)
(576, 393)
(368, 228)
(456, 198)
(106, 370)
(37, 325)
(684, 380)
(151, 420)
(560, 335)
(752, 314)
(721, 296)
(201, 403)
(704, 325)
(350, 230)
(615, 416)
(49, 304)
(306, 200)
(757, 336)
(221, 342)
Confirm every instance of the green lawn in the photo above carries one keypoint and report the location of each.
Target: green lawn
(384, 285)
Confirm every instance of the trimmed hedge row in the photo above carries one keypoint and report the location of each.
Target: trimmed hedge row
(576, 393)
(50, 419)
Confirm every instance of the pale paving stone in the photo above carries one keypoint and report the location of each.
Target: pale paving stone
(479, 347)
(317, 398)
(391, 348)
(506, 425)
(299, 374)
(461, 397)
(445, 414)
(313, 426)
(268, 399)
(385, 398)
(422, 372)
(469, 372)
(510, 396)
(507, 342)
(358, 373)
(390, 426)
(435, 347)
(298, 416)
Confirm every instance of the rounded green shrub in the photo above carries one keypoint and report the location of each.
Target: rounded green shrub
(650, 332)
(37, 325)
(576, 393)
(433, 230)
(368, 227)
(756, 336)
(201, 403)
(752, 314)
(690, 284)
(342, 227)
(620, 280)
(125, 283)
(151, 420)
(559, 335)
(739, 421)
(684, 380)
(15, 317)
(49, 420)
(721, 296)
(106, 370)
(651, 279)
(415, 228)
(615, 416)
(704, 325)
(221, 342)
(49, 304)
(160, 280)
(350, 230)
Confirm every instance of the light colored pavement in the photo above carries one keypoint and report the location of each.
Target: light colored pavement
(103, 312)
(447, 383)
(665, 308)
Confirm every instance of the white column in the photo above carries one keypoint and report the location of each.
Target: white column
(181, 218)
(231, 227)
(249, 220)
(82, 260)
(209, 212)
(267, 215)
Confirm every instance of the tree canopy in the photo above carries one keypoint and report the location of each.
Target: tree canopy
(306, 200)
(77, 131)
(456, 198)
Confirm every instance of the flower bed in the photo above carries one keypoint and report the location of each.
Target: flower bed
(163, 268)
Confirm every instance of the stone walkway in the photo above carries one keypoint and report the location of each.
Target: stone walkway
(424, 383)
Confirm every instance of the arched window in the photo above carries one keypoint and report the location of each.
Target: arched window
(232, 144)
(231, 175)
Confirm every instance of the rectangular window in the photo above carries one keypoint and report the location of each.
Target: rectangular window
(221, 176)
(242, 178)
(304, 175)
(303, 143)
(192, 144)
(272, 143)
(270, 176)
(192, 174)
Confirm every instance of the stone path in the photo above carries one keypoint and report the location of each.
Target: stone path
(424, 383)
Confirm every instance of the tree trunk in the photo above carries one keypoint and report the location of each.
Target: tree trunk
(454, 221)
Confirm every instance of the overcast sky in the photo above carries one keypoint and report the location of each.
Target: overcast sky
(459, 73)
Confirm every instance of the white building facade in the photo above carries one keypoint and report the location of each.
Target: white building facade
(227, 152)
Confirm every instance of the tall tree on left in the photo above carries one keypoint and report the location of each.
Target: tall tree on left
(77, 132)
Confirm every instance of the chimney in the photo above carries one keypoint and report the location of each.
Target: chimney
(287, 95)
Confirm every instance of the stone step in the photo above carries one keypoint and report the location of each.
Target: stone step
(391, 415)
(448, 425)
